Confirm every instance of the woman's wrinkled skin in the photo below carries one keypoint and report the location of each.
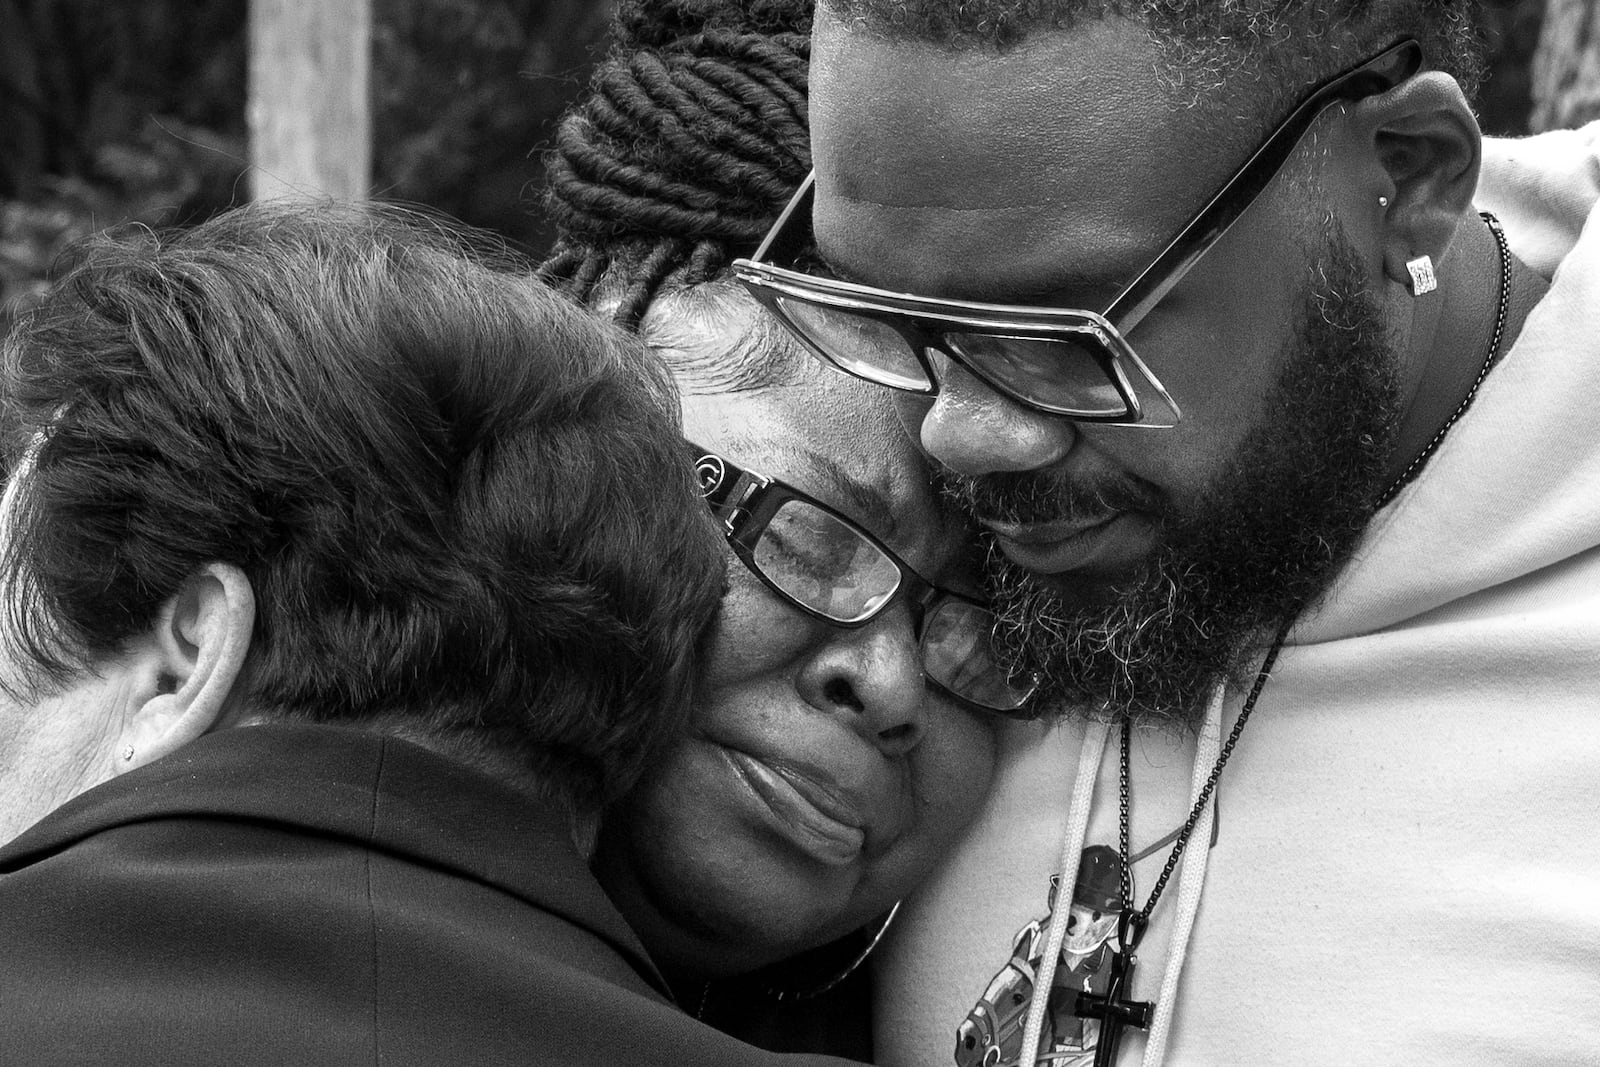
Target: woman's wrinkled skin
(823, 776)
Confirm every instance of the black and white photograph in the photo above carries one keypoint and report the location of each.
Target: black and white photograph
(800, 533)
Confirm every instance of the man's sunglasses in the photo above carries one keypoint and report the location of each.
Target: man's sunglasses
(1069, 362)
(825, 564)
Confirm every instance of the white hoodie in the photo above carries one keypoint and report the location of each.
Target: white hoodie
(1406, 866)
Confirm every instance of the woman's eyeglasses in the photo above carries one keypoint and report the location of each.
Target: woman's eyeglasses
(1070, 362)
(825, 564)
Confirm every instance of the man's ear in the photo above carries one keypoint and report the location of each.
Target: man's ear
(1428, 145)
(201, 638)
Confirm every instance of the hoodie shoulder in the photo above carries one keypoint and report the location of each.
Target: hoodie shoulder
(1543, 189)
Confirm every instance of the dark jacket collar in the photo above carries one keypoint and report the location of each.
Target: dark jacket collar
(378, 791)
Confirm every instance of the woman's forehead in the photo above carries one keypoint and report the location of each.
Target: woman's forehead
(747, 387)
(812, 424)
(840, 441)
(751, 393)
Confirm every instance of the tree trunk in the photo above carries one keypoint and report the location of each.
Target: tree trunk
(1566, 66)
(24, 114)
(309, 113)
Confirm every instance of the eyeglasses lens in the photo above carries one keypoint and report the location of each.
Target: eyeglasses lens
(955, 653)
(825, 564)
(859, 344)
(1057, 374)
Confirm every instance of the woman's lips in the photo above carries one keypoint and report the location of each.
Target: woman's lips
(821, 822)
(1117, 542)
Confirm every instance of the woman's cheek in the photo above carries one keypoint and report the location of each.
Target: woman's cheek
(757, 633)
(957, 763)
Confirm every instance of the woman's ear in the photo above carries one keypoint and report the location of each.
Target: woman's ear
(200, 642)
(1428, 145)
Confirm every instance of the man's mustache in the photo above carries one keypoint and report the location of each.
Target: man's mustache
(1044, 496)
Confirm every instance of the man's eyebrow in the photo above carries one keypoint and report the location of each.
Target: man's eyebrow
(1069, 291)
(1066, 289)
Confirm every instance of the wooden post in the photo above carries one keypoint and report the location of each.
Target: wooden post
(1566, 67)
(310, 116)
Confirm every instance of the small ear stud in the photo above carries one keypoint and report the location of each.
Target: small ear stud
(1423, 279)
(1383, 201)
(127, 754)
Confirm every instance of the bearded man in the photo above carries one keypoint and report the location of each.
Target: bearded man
(1286, 462)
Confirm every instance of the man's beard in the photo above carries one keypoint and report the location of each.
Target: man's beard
(1240, 561)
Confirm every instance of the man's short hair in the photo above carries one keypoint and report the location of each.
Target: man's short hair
(462, 503)
(1271, 50)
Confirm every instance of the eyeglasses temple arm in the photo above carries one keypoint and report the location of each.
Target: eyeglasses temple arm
(724, 485)
(1378, 74)
(780, 238)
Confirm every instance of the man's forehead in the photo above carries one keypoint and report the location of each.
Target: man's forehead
(1070, 133)
(1055, 91)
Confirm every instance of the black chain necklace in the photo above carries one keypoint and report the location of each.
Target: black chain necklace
(1501, 314)
(1113, 1011)
(1141, 918)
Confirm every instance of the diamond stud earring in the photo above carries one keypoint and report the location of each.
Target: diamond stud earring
(1423, 280)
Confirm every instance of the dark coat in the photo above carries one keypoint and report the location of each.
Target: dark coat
(308, 895)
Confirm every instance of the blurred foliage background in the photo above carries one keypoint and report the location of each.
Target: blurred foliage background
(136, 111)
(112, 112)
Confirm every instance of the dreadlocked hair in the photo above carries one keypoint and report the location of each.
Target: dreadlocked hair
(690, 142)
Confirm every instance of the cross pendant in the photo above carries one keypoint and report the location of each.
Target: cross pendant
(1109, 1007)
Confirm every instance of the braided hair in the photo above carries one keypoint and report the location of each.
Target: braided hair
(690, 142)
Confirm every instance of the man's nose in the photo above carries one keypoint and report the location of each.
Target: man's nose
(973, 430)
(873, 678)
